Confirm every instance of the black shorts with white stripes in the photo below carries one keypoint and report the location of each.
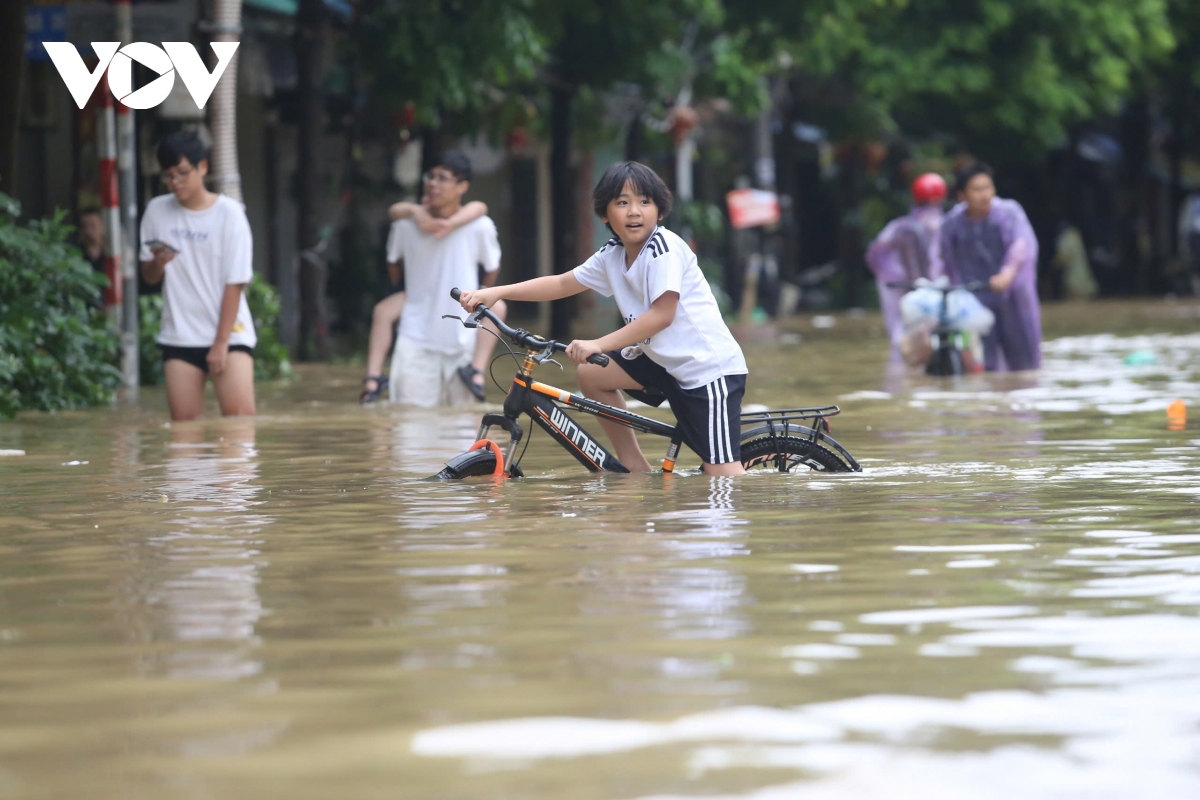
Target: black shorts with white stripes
(709, 416)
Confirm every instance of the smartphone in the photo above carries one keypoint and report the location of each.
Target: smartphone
(155, 244)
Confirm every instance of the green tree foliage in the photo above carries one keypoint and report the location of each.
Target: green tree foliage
(979, 68)
(1185, 23)
(1179, 76)
(270, 355)
(58, 349)
(657, 45)
(457, 56)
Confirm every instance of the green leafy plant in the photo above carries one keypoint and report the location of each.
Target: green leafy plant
(270, 355)
(58, 349)
(150, 370)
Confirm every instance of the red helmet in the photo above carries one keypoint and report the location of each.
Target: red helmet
(929, 188)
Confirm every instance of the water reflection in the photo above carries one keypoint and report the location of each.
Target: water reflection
(201, 573)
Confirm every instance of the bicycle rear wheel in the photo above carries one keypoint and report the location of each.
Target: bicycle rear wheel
(790, 454)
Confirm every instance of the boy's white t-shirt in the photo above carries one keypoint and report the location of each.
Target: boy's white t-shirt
(215, 250)
(697, 347)
(432, 267)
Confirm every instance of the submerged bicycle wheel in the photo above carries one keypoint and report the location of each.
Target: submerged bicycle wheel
(473, 464)
(790, 454)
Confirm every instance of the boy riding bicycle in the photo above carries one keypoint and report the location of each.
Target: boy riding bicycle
(674, 345)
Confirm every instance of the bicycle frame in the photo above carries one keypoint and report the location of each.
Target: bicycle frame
(541, 402)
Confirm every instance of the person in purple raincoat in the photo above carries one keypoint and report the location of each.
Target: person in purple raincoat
(989, 239)
(907, 249)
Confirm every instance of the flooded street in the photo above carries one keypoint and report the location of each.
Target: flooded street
(1003, 604)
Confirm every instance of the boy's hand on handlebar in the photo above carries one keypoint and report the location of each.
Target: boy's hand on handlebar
(468, 300)
(580, 349)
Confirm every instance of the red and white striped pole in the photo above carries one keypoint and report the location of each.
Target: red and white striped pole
(110, 201)
(127, 169)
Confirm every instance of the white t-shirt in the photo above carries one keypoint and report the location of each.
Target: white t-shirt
(432, 267)
(215, 250)
(394, 240)
(697, 347)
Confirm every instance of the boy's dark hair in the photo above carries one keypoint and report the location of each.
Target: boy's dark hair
(645, 181)
(968, 173)
(457, 163)
(180, 145)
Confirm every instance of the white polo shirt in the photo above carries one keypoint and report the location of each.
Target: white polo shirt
(215, 250)
(432, 267)
(697, 347)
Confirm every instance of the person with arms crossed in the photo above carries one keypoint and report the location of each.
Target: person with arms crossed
(674, 345)
(989, 239)
(436, 362)
(198, 244)
(386, 314)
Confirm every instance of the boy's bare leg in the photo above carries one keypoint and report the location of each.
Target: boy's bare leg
(235, 386)
(485, 343)
(185, 389)
(603, 384)
(383, 322)
(732, 468)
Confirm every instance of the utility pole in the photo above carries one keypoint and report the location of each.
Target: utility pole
(110, 201)
(684, 150)
(310, 46)
(226, 27)
(763, 262)
(127, 182)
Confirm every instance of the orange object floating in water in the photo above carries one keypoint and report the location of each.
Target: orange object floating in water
(1176, 416)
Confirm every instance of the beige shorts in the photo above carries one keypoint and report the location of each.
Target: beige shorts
(426, 378)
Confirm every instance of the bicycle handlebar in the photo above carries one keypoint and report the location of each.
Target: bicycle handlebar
(525, 338)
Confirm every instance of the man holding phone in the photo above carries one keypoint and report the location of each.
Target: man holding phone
(198, 244)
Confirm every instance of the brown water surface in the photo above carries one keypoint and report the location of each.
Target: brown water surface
(1003, 604)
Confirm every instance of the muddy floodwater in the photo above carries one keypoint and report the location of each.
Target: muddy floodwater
(1005, 603)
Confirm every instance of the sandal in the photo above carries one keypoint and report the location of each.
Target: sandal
(467, 374)
(371, 395)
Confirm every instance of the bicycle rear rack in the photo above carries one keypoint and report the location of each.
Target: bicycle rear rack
(786, 415)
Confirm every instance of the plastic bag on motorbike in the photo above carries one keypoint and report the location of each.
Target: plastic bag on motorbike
(920, 308)
(968, 314)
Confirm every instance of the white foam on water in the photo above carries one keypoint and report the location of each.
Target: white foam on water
(961, 548)
(825, 625)
(821, 651)
(865, 639)
(568, 737)
(972, 563)
(928, 616)
(1116, 534)
(813, 569)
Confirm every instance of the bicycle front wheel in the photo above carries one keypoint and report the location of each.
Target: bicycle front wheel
(790, 454)
(473, 464)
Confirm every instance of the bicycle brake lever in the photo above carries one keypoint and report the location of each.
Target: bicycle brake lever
(547, 355)
(466, 323)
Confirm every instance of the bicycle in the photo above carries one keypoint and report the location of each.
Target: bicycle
(946, 358)
(774, 441)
